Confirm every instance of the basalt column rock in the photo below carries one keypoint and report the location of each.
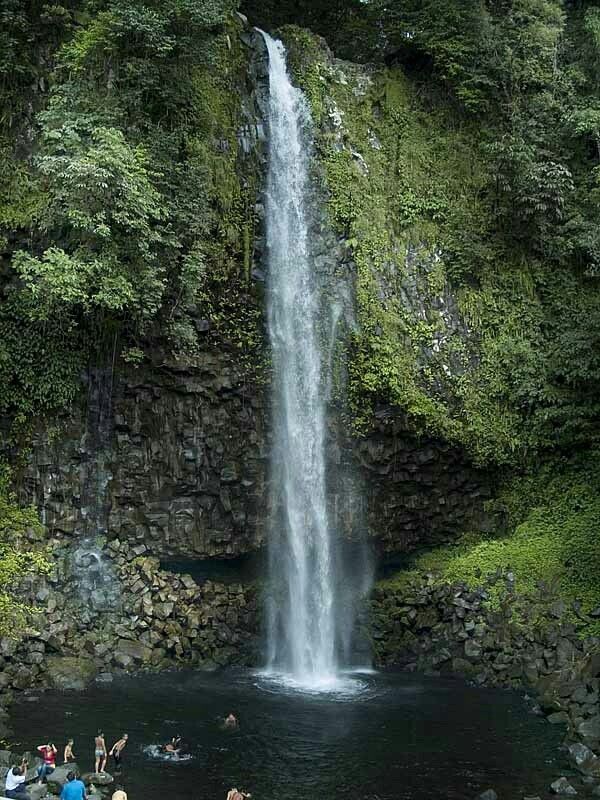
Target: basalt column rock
(187, 462)
(418, 490)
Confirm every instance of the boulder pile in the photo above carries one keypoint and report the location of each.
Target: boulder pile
(496, 637)
(161, 620)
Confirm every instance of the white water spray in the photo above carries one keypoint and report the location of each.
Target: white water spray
(302, 605)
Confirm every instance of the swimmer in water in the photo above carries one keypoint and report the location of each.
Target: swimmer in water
(174, 746)
(237, 794)
(230, 721)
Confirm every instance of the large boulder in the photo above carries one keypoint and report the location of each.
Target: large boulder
(562, 786)
(589, 730)
(37, 792)
(558, 718)
(57, 779)
(97, 779)
(69, 672)
(138, 651)
(584, 759)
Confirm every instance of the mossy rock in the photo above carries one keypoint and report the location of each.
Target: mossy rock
(70, 672)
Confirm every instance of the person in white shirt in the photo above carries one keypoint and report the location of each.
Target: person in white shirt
(15, 782)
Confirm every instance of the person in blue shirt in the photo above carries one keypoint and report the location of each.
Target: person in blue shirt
(74, 789)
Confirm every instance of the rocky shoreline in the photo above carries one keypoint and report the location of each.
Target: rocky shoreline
(159, 620)
(496, 637)
(490, 635)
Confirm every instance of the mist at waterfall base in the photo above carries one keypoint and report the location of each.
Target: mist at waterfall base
(311, 603)
(402, 736)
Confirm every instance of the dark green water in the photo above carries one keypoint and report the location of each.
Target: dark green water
(391, 736)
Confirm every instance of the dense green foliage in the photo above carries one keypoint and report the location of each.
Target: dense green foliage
(464, 180)
(555, 516)
(466, 170)
(121, 205)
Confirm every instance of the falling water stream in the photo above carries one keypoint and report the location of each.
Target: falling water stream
(303, 607)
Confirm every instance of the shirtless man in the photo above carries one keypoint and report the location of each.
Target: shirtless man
(117, 749)
(69, 755)
(174, 745)
(237, 794)
(100, 753)
(230, 721)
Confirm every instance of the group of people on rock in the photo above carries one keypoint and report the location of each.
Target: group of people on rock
(74, 789)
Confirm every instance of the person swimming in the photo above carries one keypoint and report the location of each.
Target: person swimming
(174, 746)
(230, 721)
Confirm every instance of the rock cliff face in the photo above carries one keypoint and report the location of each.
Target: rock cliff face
(174, 455)
(182, 469)
(170, 460)
(418, 491)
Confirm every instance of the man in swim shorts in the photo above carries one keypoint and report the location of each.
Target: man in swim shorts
(99, 753)
(116, 751)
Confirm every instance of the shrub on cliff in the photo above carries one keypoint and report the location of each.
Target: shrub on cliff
(555, 541)
(17, 558)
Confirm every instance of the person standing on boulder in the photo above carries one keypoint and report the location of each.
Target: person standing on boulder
(48, 753)
(74, 788)
(116, 750)
(100, 753)
(69, 755)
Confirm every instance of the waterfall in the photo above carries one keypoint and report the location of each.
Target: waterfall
(97, 584)
(302, 607)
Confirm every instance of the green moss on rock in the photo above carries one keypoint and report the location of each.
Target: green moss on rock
(460, 328)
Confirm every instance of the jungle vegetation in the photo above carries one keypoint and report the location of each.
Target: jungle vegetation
(123, 216)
